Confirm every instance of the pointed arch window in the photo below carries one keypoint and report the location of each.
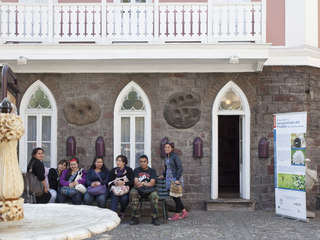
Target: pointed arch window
(39, 113)
(132, 124)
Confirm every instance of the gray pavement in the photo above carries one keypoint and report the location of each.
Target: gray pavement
(219, 225)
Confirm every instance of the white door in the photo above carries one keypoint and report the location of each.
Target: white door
(241, 154)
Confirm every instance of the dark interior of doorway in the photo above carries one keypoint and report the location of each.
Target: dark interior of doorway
(228, 155)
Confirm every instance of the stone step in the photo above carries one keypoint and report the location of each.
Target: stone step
(230, 204)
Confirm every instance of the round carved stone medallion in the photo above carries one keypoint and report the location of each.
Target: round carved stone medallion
(81, 111)
(182, 110)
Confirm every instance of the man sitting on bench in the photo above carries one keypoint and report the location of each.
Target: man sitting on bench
(144, 180)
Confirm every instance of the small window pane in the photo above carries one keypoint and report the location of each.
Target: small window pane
(39, 100)
(31, 146)
(32, 128)
(140, 129)
(47, 154)
(46, 128)
(139, 152)
(132, 101)
(125, 129)
(230, 101)
(125, 150)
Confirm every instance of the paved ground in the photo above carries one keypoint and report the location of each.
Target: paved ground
(219, 225)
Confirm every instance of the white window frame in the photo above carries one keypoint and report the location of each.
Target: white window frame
(245, 166)
(146, 113)
(25, 112)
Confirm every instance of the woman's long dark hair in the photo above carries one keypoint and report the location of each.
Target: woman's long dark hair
(35, 150)
(103, 168)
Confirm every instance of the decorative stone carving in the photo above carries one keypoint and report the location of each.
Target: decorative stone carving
(81, 111)
(11, 181)
(182, 110)
(311, 179)
(11, 210)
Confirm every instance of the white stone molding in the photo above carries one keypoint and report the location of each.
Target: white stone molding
(146, 113)
(24, 112)
(245, 115)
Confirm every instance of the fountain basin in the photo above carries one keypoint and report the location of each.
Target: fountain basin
(59, 222)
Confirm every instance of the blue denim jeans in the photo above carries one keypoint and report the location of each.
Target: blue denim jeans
(124, 201)
(101, 199)
(76, 199)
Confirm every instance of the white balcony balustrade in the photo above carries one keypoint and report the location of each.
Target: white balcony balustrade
(105, 23)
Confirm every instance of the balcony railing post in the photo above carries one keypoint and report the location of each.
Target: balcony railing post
(156, 21)
(104, 21)
(210, 21)
(263, 21)
(50, 22)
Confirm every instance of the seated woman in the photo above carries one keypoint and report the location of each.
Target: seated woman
(54, 177)
(38, 170)
(97, 175)
(121, 171)
(69, 181)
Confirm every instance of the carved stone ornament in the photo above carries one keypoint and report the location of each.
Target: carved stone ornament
(182, 110)
(81, 111)
(11, 181)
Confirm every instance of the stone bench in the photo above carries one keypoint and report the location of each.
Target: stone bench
(161, 189)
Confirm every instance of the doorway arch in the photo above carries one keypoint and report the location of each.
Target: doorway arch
(244, 113)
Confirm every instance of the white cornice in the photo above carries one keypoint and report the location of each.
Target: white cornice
(182, 57)
(294, 56)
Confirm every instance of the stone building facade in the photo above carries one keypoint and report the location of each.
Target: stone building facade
(277, 89)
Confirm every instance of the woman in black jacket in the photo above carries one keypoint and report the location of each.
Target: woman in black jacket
(38, 170)
(173, 172)
(121, 171)
(54, 177)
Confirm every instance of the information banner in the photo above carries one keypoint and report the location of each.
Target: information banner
(289, 164)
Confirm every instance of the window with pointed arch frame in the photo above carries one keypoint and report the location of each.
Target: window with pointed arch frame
(230, 101)
(38, 115)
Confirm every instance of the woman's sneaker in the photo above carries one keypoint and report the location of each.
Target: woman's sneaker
(184, 214)
(175, 217)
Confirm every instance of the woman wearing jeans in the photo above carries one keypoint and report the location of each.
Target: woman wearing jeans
(92, 179)
(119, 172)
(173, 172)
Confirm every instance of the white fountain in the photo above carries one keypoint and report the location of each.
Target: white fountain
(38, 221)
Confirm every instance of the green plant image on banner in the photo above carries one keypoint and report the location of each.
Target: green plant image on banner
(292, 181)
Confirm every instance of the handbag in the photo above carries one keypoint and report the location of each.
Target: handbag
(175, 190)
(80, 187)
(68, 191)
(146, 190)
(32, 185)
(120, 190)
(101, 189)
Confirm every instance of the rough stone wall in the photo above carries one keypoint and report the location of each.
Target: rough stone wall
(275, 90)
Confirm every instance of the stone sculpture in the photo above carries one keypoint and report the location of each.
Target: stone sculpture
(11, 181)
(311, 179)
(182, 110)
(81, 111)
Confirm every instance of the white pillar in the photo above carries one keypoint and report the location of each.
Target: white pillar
(301, 19)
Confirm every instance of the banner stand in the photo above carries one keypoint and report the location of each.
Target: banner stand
(293, 218)
(290, 130)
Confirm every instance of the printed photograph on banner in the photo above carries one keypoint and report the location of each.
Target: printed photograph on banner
(298, 156)
(292, 181)
(298, 140)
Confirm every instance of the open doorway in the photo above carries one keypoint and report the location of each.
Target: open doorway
(228, 157)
